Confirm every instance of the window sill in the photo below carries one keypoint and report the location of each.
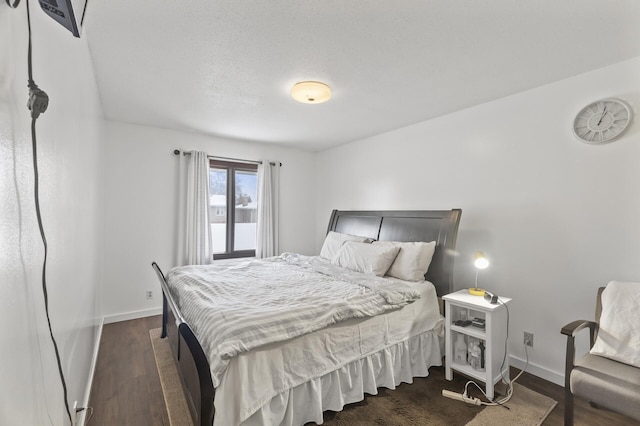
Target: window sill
(233, 260)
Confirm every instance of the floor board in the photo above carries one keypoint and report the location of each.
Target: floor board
(126, 388)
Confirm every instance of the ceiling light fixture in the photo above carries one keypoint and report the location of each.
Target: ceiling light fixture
(311, 92)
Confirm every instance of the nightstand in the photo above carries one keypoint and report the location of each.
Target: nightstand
(462, 305)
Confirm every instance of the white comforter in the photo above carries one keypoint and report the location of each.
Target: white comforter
(275, 372)
(234, 309)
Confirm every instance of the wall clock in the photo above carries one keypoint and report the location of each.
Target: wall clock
(602, 121)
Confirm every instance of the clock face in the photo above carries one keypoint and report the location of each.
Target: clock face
(602, 121)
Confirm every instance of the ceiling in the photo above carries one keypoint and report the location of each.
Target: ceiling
(226, 67)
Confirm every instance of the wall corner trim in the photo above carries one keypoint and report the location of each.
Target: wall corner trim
(92, 372)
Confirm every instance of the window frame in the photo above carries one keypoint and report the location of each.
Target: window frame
(231, 167)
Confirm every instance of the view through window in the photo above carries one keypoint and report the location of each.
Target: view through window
(233, 208)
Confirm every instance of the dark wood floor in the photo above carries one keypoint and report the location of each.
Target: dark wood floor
(126, 388)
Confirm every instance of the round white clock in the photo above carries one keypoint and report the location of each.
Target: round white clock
(602, 121)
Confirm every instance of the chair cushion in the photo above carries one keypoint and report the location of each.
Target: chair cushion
(619, 334)
(608, 383)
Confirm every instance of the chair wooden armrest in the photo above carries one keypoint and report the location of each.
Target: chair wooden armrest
(572, 329)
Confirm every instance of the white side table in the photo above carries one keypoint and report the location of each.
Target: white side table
(462, 305)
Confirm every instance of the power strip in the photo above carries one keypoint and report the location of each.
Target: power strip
(460, 397)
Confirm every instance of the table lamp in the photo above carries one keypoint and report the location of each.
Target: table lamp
(480, 262)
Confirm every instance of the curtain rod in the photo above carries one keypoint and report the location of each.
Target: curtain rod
(237, 160)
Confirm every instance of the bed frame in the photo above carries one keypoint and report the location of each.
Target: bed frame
(419, 225)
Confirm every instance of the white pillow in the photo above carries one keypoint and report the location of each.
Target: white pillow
(365, 258)
(412, 261)
(334, 240)
(619, 334)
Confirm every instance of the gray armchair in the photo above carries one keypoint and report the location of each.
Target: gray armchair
(603, 382)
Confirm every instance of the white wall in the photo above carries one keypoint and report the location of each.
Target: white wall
(141, 196)
(556, 217)
(69, 139)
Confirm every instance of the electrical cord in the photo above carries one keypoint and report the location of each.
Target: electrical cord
(38, 99)
(37, 104)
(506, 340)
(44, 263)
(509, 386)
(44, 267)
(509, 383)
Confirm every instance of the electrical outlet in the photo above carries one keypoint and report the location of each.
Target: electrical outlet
(149, 294)
(528, 339)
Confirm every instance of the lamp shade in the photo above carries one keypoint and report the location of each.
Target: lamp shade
(480, 261)
(311, 92)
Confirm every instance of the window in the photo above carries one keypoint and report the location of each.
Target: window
(233, 208)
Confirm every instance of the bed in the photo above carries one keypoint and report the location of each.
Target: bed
(294, 380)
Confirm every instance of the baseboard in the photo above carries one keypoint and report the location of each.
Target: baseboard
(536, 370)
(132, 315)
(82, 418)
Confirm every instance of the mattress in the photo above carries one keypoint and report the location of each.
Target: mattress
(292, 382)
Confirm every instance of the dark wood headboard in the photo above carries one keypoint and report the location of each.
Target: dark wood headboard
(440, 226)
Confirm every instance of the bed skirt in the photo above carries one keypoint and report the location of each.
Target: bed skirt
(387, 368)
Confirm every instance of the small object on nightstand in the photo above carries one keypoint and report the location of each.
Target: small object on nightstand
(460, 355)
(478, 322)
(475, 355)
(463, 323)
(490, 297)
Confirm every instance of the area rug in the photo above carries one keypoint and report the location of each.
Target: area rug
(526, 407)
(174, 397)
(420, 403)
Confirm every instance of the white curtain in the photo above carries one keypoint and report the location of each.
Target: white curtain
(267, 239)
(198, 242)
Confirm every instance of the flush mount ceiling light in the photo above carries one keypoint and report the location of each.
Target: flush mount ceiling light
(311, 92)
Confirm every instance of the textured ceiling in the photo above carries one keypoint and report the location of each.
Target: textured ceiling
(226, 67)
